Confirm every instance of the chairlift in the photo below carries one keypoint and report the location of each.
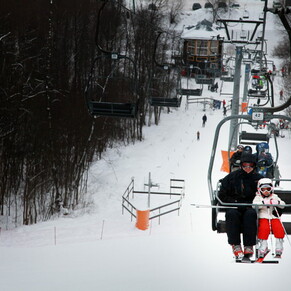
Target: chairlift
(258, 117)
(224, 71)
(227, 75)
(160, 94)
(204, 79)
(227, 78)
(253, 138)
(259, 88)
(112, 87)
(165, 102)
(246, 14)
(243, 34)
(257, 93)
(189, 91)
(160, 90)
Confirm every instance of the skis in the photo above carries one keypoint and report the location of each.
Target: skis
(247, 259)
(243, 259)
(261, 259)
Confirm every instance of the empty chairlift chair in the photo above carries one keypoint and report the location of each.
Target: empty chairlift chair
(111, 88)
(253, 138)
(161, 91)
(189, 83)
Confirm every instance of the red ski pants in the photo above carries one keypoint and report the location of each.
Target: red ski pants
(276, 227)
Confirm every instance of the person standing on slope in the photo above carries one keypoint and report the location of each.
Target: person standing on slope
(204, 119)
(240, 186)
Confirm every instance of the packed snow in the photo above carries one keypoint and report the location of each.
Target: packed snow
(99, 247)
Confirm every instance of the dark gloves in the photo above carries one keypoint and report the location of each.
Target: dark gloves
(241, 208)
(277, 212)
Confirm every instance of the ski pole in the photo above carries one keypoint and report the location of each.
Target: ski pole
(212, 206)
(270, 226)
(286, 234)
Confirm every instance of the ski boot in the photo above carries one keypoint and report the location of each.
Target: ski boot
(279, 247)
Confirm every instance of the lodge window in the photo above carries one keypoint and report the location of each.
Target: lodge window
(202, 47)
(191, 48)
(213, 47)
(202, 50)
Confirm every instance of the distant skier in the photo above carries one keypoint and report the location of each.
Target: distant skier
(281, 94)
(283, 71)
(274, 68)
(198, 135)
(216, 87)
(204, 119)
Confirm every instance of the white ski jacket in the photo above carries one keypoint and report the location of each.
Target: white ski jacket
(267, 211)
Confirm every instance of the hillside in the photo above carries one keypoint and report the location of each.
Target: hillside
(99, 248)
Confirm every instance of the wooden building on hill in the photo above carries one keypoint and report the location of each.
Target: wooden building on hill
(203, 48)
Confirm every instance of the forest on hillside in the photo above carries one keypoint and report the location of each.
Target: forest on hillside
(51, 52)
(48, 50)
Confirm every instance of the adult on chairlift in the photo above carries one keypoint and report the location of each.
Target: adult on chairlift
(264, 160)
(240, 187)
(236, 157)
(258, 82)
(255, 81)
(234, 161)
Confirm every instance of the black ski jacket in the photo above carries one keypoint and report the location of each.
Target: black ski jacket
(239, 187)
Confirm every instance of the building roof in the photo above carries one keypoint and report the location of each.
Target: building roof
(202, 30)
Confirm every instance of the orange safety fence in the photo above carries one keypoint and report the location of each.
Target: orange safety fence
(244, 106)
(225, 162)
(142, 219)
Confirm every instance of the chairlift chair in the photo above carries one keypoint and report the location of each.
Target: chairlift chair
(228, 75)
(258, 117)
(257, 93)
(246, 14)
(165, 102)
(111, 88)
(227, 78)
(224, 71)
(203, 79)
(189, 91)
(243, 34)
(259, 85)
(160, 92)
(251, 138)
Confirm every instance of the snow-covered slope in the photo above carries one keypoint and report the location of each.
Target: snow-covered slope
(101, 249)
